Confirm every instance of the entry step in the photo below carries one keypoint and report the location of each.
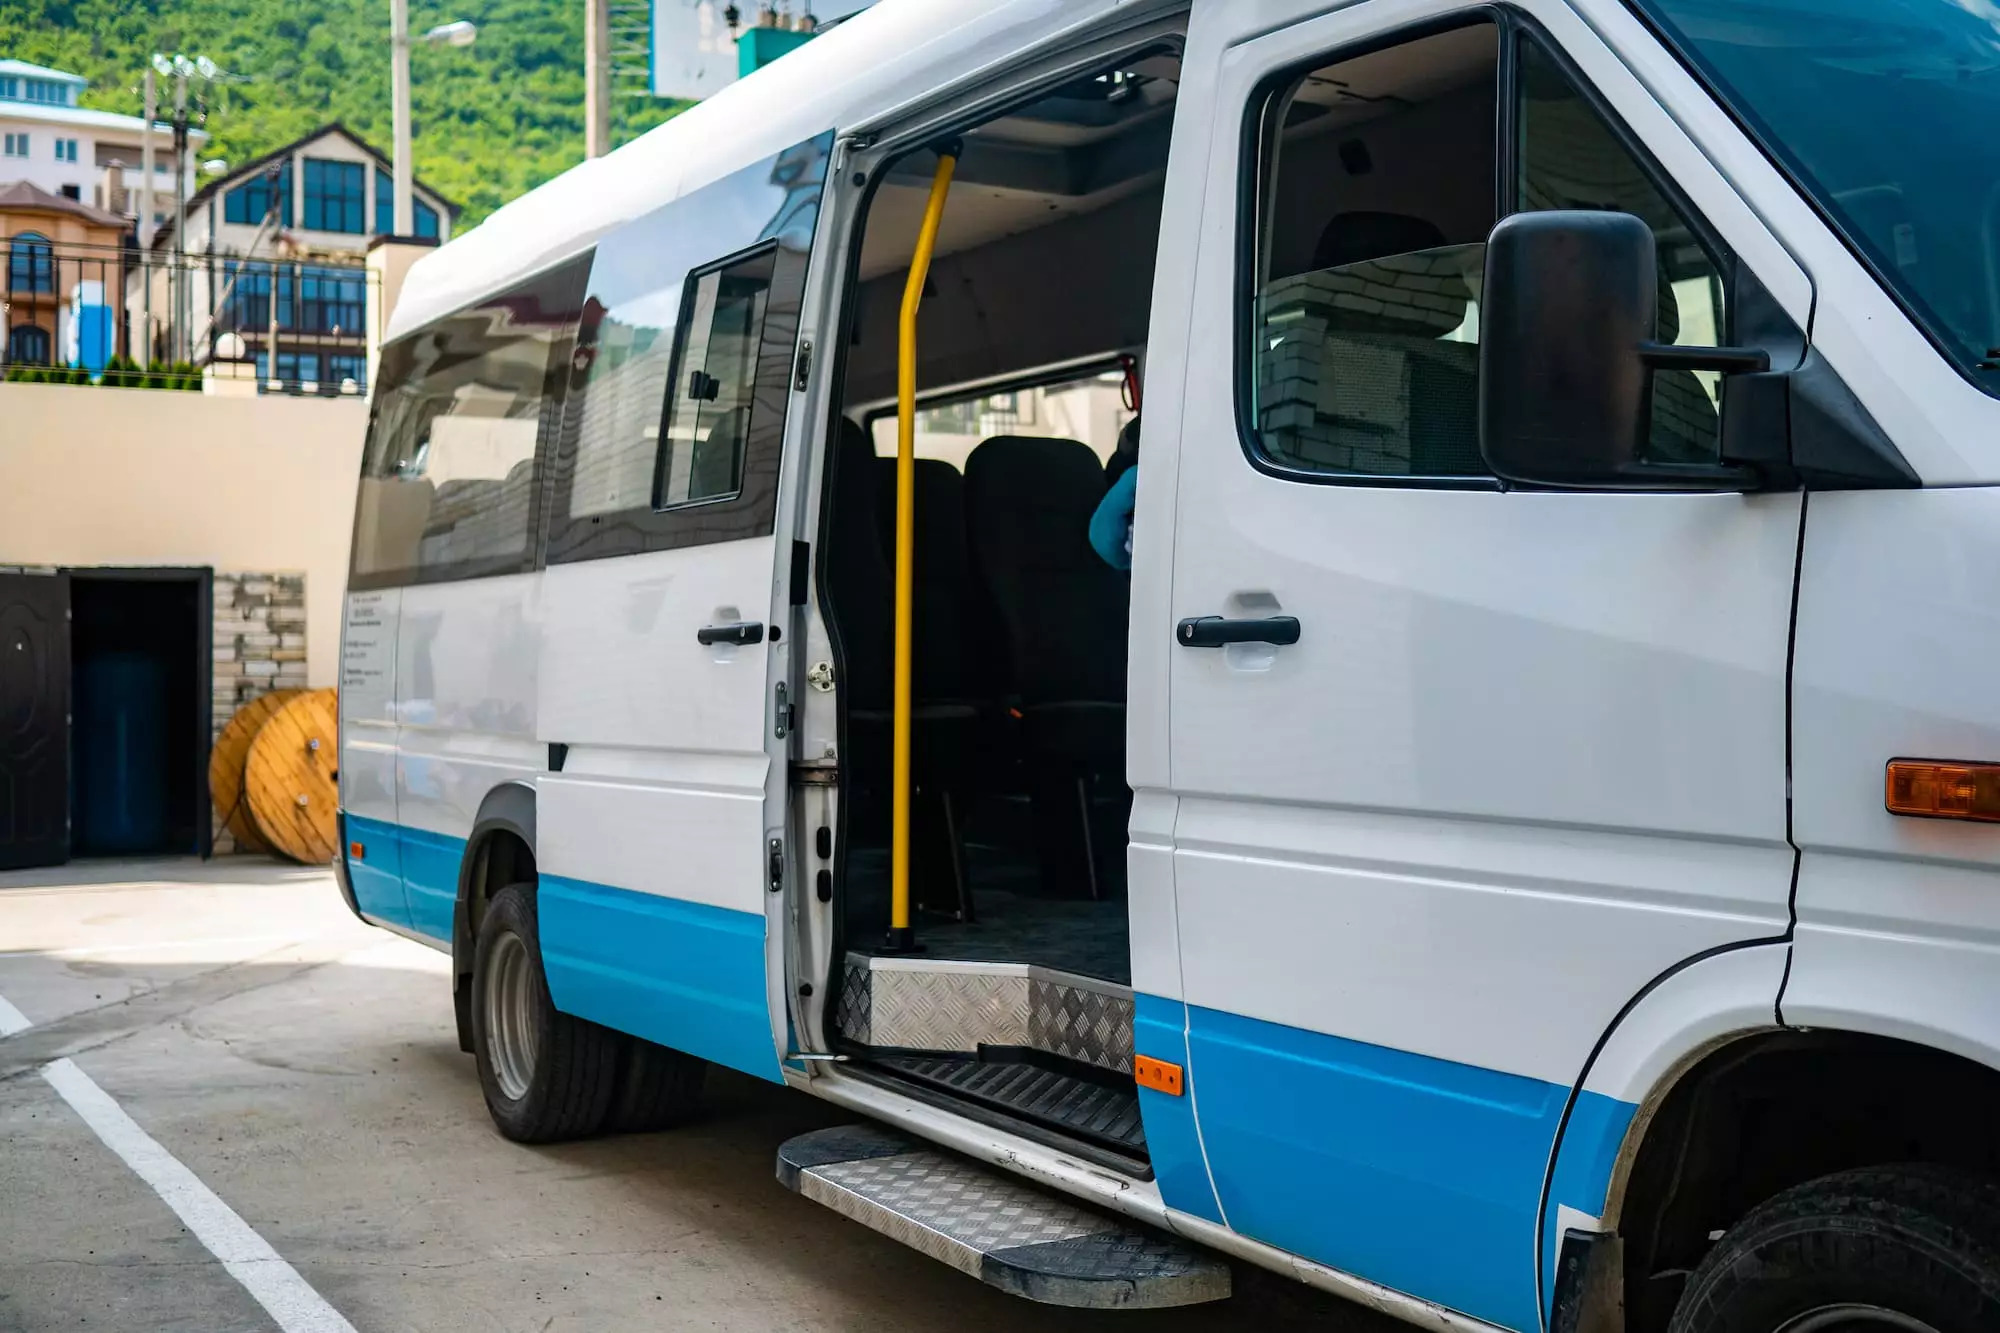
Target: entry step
(1001, 1230)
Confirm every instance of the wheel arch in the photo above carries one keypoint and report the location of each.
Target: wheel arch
(1744, 1116)
(499, 851)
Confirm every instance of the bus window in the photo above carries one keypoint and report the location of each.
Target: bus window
(448, 476)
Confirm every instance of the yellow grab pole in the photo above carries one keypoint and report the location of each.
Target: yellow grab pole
(900, 934)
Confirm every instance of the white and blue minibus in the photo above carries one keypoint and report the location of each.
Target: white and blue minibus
(1508, 827)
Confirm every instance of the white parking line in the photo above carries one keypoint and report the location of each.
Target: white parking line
(288, 1298)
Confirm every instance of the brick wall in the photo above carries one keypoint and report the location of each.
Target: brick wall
(260, 646)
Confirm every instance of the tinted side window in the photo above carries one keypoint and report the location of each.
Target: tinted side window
(1379, 193)
(448, 476)
(1570, 157)
(674, 426)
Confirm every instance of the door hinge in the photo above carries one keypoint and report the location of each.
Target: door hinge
(802, 368)
(781, 713)
(777, 864)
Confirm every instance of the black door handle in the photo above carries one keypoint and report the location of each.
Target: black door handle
(1215, 631)
(742, 632)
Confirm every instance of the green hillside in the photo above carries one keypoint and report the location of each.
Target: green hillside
(492, 121)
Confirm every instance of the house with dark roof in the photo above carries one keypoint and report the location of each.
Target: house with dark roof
(64, 292)
(274, 251)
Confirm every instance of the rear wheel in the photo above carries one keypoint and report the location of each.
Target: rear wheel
(547, 1075)
(1910, 1249)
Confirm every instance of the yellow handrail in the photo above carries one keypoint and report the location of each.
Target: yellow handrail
(900, 935)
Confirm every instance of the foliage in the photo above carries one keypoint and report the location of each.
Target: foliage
(492, 120)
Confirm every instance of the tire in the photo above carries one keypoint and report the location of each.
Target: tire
(1893, 1249)
(548, 1076)
(658, 1088)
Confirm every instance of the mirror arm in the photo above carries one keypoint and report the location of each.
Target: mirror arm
(1728, 360)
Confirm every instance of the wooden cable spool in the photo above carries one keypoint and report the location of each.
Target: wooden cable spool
(290, 778)
(225, 767)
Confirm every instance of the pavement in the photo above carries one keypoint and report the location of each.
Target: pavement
(215, 1082)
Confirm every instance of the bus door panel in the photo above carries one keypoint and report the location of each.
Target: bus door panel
(663, 589)
(1470, 766)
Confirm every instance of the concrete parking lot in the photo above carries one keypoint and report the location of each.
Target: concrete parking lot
(299, 1075)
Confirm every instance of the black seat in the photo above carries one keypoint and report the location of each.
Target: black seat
(944, 718)
(1064, 612)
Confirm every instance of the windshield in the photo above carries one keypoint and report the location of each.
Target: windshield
(1886, 112)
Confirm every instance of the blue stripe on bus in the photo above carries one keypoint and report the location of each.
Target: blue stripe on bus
(377, 876)
(430, 880)
(1421, 1174)
(1159, 1029)
(683, 974)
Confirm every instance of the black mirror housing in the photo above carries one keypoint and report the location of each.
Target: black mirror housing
(1569, 299)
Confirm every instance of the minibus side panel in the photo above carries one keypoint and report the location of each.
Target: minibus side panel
(1526, 756)
(368, 753)
(1899, 917)
(465, 681)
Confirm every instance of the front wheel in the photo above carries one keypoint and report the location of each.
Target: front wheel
(1903, 1249)
(547, 1075)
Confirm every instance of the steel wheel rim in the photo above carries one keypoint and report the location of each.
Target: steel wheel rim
(511, 1033)
(1854, 1318)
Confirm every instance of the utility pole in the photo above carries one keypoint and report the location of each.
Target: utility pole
(596, 78)
(146, 224)
(181, 293)
(404, 221)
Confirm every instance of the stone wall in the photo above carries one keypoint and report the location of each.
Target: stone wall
(260, 646)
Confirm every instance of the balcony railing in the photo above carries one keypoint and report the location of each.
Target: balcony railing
(97, 313)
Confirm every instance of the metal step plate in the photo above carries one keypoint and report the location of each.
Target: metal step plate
(1001, 1230)
(1107, 1115)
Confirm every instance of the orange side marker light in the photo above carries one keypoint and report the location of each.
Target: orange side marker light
(1157, 1075)
(1943, 789)
(357, 851)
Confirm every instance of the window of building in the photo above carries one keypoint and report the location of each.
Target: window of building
(10, 87)
(31, 263)
(72, 192)
(16, 145)
(448, 475)
(28, 345)
(334, 196)
(251, 202)
(343, 369)
(65, 150)
(45, 90)
(332, 300)
(1376, 200)
(424, 218)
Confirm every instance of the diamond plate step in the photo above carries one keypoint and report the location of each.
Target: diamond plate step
(942, 1004)
(999, 1229)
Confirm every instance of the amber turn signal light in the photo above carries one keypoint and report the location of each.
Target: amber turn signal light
(1941, 789)
(1157, 1075)
(357, 851)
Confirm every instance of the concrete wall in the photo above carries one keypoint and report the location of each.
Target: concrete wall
(93, 476)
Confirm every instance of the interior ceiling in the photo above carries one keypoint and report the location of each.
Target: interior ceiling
(1398, 77)
(1076, 151)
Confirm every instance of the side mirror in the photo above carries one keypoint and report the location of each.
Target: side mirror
(1566, 357)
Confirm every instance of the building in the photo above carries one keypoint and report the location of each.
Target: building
(75, 152)
(62, 300)
(274, 251)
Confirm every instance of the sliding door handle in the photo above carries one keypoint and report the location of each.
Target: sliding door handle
(742, 632)
(1215, 631)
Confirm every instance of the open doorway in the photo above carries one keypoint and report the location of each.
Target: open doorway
(140, 680)
(1029, 358)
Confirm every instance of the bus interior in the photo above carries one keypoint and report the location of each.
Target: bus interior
(1017, 995)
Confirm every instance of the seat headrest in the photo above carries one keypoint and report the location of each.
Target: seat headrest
(1353, 238)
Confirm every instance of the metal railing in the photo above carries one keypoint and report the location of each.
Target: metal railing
(111, 314)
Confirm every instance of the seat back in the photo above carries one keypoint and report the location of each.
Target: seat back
(860, 583)
(1028, 508)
